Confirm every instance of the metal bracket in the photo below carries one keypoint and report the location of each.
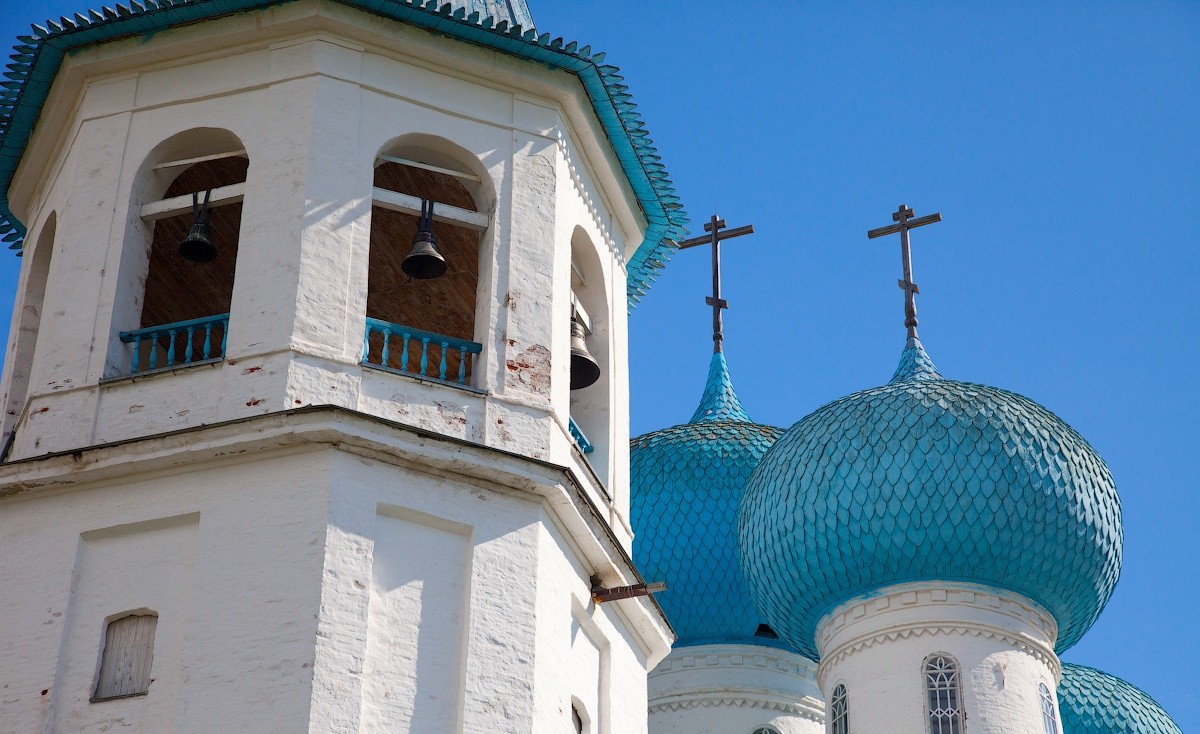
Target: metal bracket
(601, 594)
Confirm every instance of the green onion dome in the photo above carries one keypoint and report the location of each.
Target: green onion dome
(926, 478)
(1092, 702)
(685, 485)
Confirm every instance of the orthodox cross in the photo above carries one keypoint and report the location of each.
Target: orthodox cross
(904, 222)
(714, 237)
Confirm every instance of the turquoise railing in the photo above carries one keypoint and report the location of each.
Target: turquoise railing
(580, 439)
(178, 342)
(450, 350)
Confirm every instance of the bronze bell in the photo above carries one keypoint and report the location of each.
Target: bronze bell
(198, 246)
(585, 370)
(425, 261)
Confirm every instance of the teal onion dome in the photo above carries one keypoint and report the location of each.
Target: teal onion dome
(926, 478)
(685, 485)
(1092, 702)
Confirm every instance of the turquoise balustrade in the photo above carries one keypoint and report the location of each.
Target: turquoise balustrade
(581, 440)
(171, 337)
(449, 350)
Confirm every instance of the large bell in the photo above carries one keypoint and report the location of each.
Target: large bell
(198, 245)
(425, 261)
(585, 370)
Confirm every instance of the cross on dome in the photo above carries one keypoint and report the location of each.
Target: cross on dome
(714, 237)
(903, 218)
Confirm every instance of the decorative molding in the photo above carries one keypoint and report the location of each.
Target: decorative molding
(784, 662)
(806, 708)
(1034, 648)
(567, 150)
(702, 677)
(923, 594)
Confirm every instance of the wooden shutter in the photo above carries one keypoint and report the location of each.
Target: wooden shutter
(128, 654)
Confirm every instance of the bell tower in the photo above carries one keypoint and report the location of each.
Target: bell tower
(316, 390)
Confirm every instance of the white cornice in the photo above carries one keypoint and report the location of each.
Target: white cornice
(937, 598)
(737, 656)
(807, 708)
(931, 609)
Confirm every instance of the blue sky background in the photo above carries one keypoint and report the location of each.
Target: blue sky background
(1060, 143)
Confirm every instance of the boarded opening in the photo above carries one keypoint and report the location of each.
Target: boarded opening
(126, 658)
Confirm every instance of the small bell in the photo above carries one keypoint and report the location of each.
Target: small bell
(585, 370)
(198, 246)
(425, 261)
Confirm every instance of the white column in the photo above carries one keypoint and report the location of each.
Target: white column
(733, 688)
(877, 647)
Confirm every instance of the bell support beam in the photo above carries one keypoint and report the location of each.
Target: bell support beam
(200, 159)
(176, 205)
(406, 204)
(427, 167)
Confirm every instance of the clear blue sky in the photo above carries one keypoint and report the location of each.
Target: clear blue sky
(1061, 142)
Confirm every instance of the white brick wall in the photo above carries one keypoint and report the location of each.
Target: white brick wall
(319, 571)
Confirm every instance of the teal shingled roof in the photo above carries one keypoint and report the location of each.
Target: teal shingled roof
(719, 401)
(930, 479)
(37, 57)
(685, 485)
(1092, 702)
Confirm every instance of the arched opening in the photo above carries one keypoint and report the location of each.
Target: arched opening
(839, 711)
(186, 290)
(589, 305)
(27, 324)
(424, 326)
(580, 723)
(943, 695)
(1049, 718)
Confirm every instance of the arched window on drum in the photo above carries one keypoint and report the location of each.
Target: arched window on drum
(839, 715)
(943, 688)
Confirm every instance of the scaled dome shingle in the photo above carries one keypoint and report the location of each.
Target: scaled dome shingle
(1094, 702)
(926, 478)
(685, 485)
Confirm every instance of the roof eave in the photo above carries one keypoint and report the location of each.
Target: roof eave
(37, 58)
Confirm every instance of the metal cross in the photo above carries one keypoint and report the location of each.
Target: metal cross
(713, 238)
(902, 224)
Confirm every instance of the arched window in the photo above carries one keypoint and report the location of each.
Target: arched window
(839, 718)
(944, 695)
(1048, 718)
(421, 310)
(177, 270)
(766, 730)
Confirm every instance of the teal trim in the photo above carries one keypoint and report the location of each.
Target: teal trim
(719, 401)
(1094, 702)
(929, 479)
(37, 58)
(581, 440)
(915, 364)
(407, 335)
(169, 333)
